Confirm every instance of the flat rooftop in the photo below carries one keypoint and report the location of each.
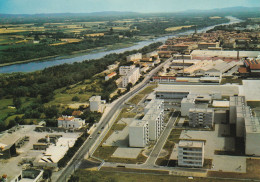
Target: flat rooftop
(224, 90)
(227, 54)
(191, 144)
(95, 98)
(251, 90)
(220, 103)
(138, 123)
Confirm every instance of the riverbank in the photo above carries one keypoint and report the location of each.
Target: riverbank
(80, 56)
(78, 53)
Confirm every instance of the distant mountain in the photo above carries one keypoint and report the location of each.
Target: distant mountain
(236, 9)
(103, 13)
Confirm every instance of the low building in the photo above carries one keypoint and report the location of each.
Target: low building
(191, 153)
(131, 77)
(138, 133)
(111, 75)
(207, 45)
(199, 117)
(55, 152)
(29, 175)
(70, 122)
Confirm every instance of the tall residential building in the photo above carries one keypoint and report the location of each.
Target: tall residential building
(131, 77)
(124, 70)
(96, 105)
(191, 153)
(155, 118)
(199, 117)
(138, 133)
(247, 125)
(149, 128)
(134, 57)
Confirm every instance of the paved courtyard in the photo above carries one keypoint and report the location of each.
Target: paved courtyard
(215, 141)
(130, 153)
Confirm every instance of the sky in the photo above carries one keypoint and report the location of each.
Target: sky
(87, 6)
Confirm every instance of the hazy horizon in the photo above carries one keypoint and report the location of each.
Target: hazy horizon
(142, 6)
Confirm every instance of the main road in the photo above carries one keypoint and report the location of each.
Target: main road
(91, 143)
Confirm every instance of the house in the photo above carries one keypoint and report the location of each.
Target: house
(70, 122)
(111, 75)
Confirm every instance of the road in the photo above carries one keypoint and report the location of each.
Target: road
(160, 143)
(64, 174)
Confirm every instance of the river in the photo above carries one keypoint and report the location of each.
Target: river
(39, 65)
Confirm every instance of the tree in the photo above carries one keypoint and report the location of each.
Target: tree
(17, 102)
(129, 86)
(75, 98)
(51, 112)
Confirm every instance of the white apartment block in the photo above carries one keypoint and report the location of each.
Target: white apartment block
(193, 101)
(131, 77)
(157, 103)
(155, 118)
(149, 128)
(191, 153)
(247, 125)
(138, 133)
(134, 57)
(186, 104)
(96, 104)
(151, 54)
(124, 70)
(70, 122)
(200, 117)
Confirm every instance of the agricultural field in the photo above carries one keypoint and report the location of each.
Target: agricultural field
(171, 29)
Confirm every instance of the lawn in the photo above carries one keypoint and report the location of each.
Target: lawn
(113, 176)
(138, 97)
(169, 145)
(252, 171)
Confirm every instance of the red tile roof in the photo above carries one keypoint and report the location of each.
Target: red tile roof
(254, 66)
(242, 70)
(76, 113)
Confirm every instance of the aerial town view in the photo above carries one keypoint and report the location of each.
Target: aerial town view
(129, 91)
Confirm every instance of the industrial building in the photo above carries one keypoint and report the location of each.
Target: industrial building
(225, 54)
(191, 153)
(96, 104)
(55, 152)
(210, 68)
(29, 175)
(9, 142)
(199, 117)
(138, 133)
(70, 122)
(164, 91)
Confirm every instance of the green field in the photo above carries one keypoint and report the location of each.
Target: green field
(112, 176)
